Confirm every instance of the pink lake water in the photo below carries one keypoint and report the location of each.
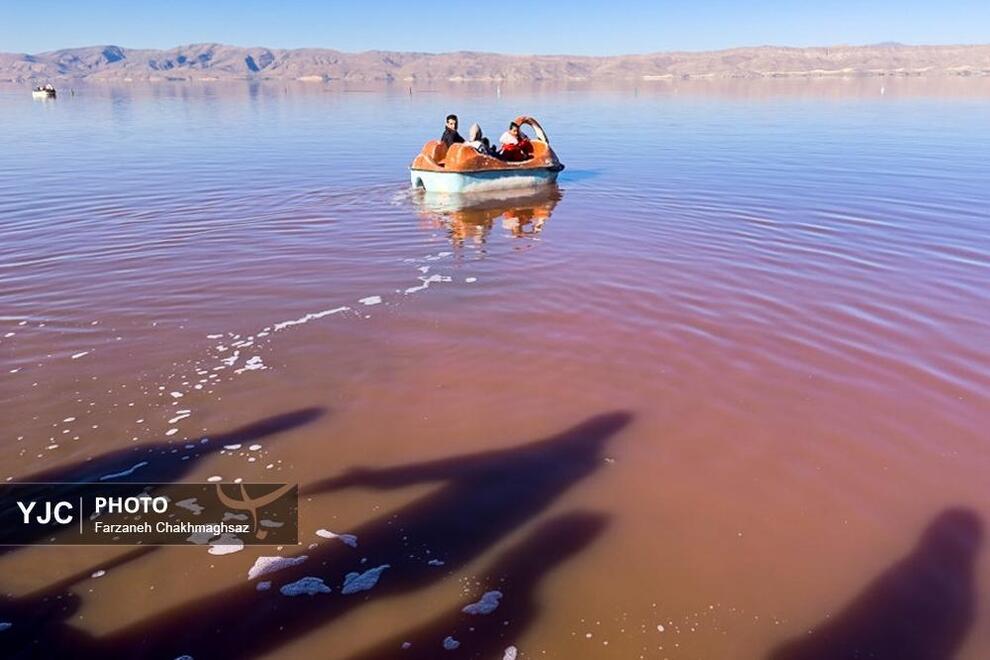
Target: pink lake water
(723, 392)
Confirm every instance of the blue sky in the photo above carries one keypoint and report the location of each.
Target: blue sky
(577, 27)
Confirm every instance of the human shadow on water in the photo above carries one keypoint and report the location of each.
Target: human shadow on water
(919, 609)
(35, 617)
(516, 575)
(168, 460)
(482, 498)
(158, 462)
(38, 619)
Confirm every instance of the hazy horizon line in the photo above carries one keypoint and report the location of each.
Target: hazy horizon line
(506, 54)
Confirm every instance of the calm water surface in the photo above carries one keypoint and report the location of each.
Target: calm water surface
(722, 393)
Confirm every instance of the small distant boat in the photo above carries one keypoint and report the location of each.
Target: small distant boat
(462, 169)
(44, 92)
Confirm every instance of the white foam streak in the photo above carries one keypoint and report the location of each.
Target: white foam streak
(309, 317)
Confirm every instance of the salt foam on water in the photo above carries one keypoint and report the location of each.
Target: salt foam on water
(371, 300)
(309, 586)
(426, 282)
(253, 364)
(487, 604)
(266, 565)
(308, 317)
(347, 539)
(225, 545)
(355, 582)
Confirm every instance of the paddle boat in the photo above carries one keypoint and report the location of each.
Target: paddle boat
(461, 168)
(44, 91)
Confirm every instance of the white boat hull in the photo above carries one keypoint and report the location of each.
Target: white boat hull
(482, 181)
(42, 95)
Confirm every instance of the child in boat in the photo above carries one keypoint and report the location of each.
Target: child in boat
(515, 144)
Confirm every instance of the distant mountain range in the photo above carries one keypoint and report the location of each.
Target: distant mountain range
(221, 62)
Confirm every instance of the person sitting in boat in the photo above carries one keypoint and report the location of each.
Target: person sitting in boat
(515, 144)
(478, 141)
(450, 135)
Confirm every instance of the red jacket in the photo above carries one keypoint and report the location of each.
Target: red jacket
(522, 150)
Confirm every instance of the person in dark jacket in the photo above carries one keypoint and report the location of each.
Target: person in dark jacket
(450, 134)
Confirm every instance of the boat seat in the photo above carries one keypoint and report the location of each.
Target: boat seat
(435, 150)
(463, 157)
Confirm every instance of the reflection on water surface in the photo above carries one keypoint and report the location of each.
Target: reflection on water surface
(471, 217)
